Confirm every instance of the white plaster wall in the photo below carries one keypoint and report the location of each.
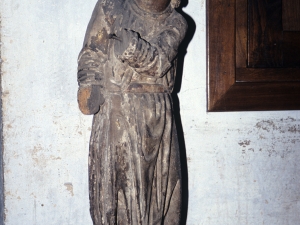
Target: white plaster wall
(243, 166)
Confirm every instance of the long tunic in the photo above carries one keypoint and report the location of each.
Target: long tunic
(134, 166)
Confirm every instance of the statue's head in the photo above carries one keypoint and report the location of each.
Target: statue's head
(156, 6)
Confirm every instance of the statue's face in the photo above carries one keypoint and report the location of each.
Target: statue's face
(154, 6)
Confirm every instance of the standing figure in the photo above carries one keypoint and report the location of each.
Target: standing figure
(126, 73)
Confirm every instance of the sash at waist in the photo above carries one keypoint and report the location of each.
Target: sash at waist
(146, 88)
(141, 88)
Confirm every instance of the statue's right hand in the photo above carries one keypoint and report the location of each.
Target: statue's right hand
(125, 40)
(89, 99)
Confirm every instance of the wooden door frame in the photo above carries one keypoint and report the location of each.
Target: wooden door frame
(226, 90)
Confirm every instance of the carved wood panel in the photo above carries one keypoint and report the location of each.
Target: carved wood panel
(253, 55)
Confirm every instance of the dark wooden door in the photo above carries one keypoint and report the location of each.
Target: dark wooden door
(273, 33)
(253, 55)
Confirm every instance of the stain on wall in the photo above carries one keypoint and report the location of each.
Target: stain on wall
(69, 187)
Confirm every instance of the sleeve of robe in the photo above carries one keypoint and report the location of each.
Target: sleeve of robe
(91, 60)
(155, 57)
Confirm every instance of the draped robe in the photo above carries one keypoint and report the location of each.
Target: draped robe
(134, 165)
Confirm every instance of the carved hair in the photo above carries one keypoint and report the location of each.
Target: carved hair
(175, 3)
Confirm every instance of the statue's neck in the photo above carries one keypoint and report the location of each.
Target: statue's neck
(152, 6)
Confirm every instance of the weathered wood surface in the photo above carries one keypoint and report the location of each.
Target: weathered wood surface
(126, 74)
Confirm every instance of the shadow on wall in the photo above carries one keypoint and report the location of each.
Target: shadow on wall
(180, 62)
(1, 171)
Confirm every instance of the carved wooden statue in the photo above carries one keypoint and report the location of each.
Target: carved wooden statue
(126, 72)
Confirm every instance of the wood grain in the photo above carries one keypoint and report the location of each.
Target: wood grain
(260, 96)
(291, 48)
(265, 33)
(220, 48)
(268, 75)
(231, 85)
(291, 15)
(241, 33)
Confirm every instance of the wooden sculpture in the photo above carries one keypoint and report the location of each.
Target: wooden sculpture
(126, 73)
